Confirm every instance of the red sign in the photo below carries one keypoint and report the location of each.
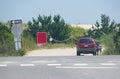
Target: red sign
(41, 38)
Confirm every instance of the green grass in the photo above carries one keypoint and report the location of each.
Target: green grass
(57, 45)
(6, 54)
(107, 41)
(29, 43)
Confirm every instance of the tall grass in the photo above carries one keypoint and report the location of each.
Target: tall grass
(29, 43)
(107, 41)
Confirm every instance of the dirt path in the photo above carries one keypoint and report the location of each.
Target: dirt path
(53, 52)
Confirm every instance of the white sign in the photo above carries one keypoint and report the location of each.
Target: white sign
(17, 30)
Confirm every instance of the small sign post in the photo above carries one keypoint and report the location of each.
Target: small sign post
(17, 30)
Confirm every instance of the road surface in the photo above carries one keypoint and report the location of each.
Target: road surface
(60, 67)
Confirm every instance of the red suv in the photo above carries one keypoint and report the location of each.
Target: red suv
(86, 45)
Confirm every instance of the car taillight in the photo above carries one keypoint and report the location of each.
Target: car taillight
(80, 45)
(92, 45)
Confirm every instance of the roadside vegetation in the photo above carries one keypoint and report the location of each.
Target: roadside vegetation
(62, 33)
(106, 32)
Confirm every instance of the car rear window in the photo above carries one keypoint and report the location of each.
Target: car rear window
(86, 41)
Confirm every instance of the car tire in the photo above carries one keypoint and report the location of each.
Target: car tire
(78, 53)
(94, 53)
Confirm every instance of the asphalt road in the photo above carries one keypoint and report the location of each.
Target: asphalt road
(60, 67)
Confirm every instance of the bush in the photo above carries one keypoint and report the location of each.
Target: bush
(107, 41)
(77, 32)
(21, 52)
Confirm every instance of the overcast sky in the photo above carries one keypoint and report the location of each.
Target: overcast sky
(72, 11)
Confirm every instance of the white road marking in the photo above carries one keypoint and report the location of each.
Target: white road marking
(54, 64)
(80, 64)
(114, 61)
(44, 61)
(3, 65)
(8, 62)
(38, 61)
(86, 67)
(110, 61)
(27, 65)
(108, 64)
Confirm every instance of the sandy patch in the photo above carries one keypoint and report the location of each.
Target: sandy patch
(53, 52)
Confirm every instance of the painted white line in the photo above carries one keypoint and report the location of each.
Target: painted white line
(44, 61)
(110, 61)
(3, 65)
(86, 67)
(80, 64)
(108, 64)
(54, 64)
(27, 65)
(114, 61)
(8, 62)
(38, 61)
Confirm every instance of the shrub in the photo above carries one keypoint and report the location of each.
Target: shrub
(21, 52)
(107, 41)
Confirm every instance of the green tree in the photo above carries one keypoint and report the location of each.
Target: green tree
(5, 33)
(104, 27)
(33, 28)
(116, 39)
(55, 27)
(59, 30)
(109, 31)
(45, 22)
(6, 39)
